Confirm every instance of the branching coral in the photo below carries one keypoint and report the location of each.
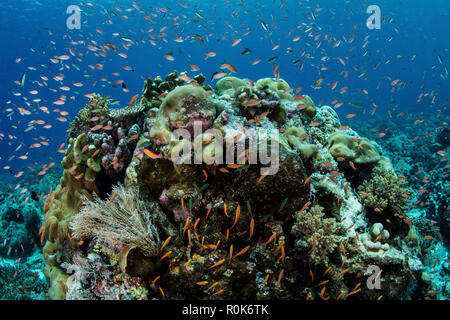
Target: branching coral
(125, 220)
(384, 190)
(317, 234)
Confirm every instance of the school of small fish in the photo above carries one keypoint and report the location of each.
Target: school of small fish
(278, 38)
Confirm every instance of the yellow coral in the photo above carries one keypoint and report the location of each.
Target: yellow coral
(278, 86)
(361, 151)
(228, 85)
(77, 182)
(295, 137)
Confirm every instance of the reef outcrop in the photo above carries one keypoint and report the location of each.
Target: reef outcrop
(245, 191)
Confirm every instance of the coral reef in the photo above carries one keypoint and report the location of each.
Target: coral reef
(22, 280)
(386, 196)
(93, 279)
(101, 144)
(270, 198)
(96, 110)
(374, 241)
(417, 150)
(21, 215)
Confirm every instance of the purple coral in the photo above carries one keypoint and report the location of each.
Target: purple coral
(206, 122)
(118, 156)
(164, 199)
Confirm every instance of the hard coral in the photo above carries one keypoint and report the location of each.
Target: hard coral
(278, 86)
(154, 90)
(185, 105)
(95, 279)
(316, 235)
(297, 138)
(19, 225)
(231, 224)
(385, 191)
(374, 241)
(228, 86)
(361, 150)
(96, 107)
(82, 160)
(180, 109)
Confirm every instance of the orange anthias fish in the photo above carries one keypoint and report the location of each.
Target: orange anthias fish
(97, 127)
(236, 42)
(218, 263)
(305, 206)
(219, 75)
(252, 102)
(229, 67)
(134, 137)
(165, 255)
(238, 210)
(133, 99)
(242, 251)
(252, 228)
(152, 154)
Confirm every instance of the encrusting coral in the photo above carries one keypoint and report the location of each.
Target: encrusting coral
(229, 85)
(180, 109)
(297, 138)
(228, 228)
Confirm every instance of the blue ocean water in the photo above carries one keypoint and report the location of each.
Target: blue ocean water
(392, 82)
(411, 47)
